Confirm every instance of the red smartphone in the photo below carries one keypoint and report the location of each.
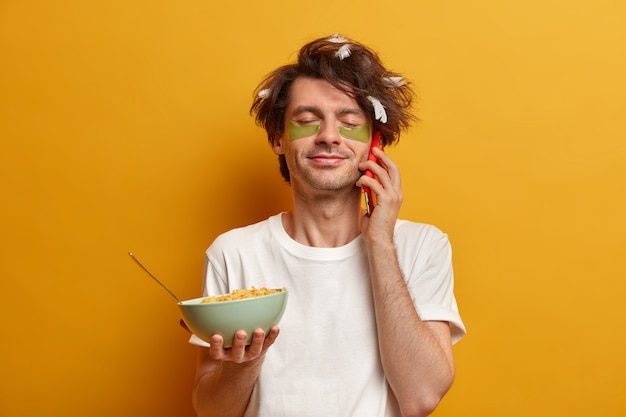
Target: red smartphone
(369, 196)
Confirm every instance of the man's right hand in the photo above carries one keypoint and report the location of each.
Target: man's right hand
(225, 377)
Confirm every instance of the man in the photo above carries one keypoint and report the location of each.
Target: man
(371, 317)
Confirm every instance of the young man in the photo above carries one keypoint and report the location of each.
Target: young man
(371, 317)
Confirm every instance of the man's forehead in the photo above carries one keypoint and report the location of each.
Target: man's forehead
(314, 95)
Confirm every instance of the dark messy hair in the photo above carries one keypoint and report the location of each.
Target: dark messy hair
(359, 75)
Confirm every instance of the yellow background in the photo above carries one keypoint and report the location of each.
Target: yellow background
(124, 126)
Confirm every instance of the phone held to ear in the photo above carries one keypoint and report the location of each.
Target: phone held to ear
(369, 196)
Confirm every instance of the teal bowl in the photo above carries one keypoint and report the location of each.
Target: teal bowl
(227, 317)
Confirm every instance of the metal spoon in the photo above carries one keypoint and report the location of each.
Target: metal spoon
(153, 277)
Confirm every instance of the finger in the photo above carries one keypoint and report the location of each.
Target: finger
(256, 346)
(382, 157)
(367, 181)
(238, 349)
(216, 350)
(271, 337)
(388, 166)
(376, 184)
(379, 169)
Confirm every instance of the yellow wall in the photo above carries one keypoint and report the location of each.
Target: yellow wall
(124, 126)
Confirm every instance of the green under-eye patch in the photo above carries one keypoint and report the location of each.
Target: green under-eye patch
(361, 133)
(297, 131)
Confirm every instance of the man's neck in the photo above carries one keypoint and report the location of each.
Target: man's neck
(327, 225)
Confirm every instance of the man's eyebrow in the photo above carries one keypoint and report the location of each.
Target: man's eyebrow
(306, 109)
(350, 110)
(316, 110)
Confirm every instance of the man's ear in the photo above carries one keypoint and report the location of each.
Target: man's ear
(277, 144)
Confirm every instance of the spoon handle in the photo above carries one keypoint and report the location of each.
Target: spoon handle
(153, 277)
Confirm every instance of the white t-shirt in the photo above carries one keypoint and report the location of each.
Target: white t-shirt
(325, 361)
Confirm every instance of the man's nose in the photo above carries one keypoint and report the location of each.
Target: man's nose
(328, 134)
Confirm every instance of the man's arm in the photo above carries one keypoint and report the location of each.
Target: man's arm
(416, 356)
(225, 378)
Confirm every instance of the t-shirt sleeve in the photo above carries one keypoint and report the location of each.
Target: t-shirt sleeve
(430, 279)
(215, 281)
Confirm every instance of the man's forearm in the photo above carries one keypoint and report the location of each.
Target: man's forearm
(223, 389)
(415, 355)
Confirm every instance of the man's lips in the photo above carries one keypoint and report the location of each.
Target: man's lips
(327, 159)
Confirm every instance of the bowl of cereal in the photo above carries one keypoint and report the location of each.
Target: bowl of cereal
(241, 309)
